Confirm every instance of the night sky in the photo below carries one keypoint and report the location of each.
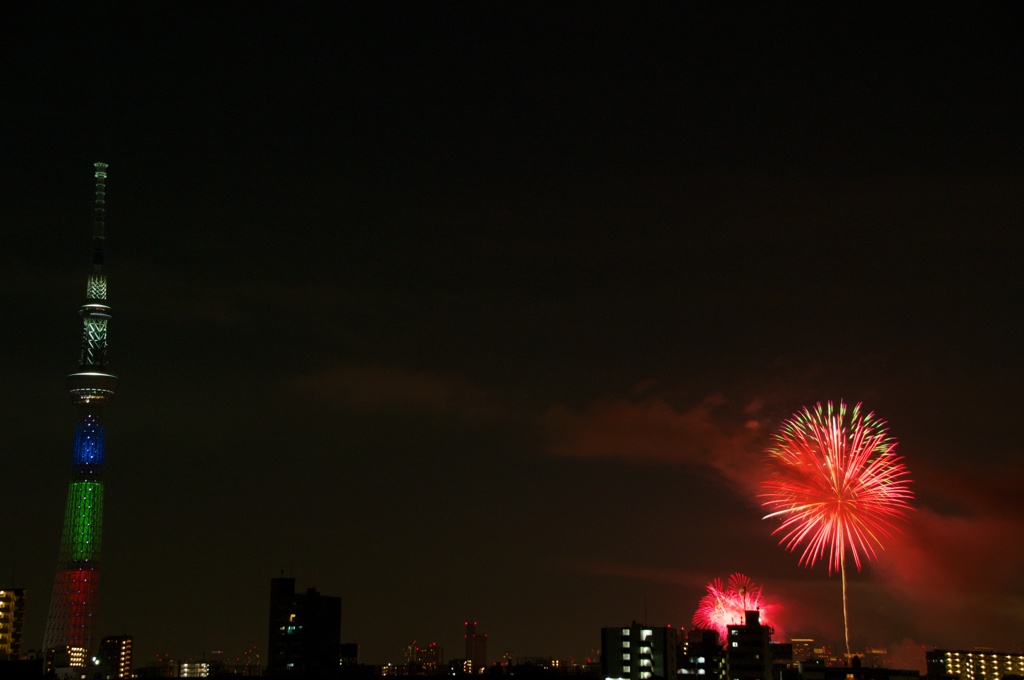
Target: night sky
(487, 311)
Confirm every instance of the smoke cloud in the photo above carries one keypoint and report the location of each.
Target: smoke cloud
(650, 429)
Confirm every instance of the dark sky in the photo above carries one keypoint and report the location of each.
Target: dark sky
(488, 310)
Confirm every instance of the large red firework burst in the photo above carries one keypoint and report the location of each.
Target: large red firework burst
(835, 481)
(726, 606)
(837, 485)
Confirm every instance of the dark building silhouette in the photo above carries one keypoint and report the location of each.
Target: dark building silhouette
(816, 670)
(115, 656)
(476, 647)
(349, 654)
(704, 655)
(304, 633)
(22, 669)
(748, 650)
(783, 666)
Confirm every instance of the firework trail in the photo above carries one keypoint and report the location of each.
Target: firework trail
(836, 485)
(727, 606)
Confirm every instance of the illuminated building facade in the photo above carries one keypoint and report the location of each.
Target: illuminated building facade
(115, 655)
(304, 632)
(69, 627)
(748, 650)
(973, 665)
(639, 652)
(195, 669)
(12, 623)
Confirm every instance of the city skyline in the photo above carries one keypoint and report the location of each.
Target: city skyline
(489, 313)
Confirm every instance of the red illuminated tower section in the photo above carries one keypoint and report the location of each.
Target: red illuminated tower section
(69, 628)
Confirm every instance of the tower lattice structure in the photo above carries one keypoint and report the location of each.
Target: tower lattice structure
(69, 627)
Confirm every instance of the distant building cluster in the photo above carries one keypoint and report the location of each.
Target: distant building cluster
(428, 658)
(304, 641)
(638, 652)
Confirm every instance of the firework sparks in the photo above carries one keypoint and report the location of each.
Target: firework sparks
(726, 606)
(837, 485)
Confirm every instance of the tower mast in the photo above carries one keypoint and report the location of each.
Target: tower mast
(69, 627)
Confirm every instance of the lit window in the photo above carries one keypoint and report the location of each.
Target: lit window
(625, 657)
(735, 644)
(625, 632)
(625, 644)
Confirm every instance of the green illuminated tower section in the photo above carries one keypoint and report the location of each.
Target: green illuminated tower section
(69, 628)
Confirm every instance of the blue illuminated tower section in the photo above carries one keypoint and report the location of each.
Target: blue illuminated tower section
(69, 628)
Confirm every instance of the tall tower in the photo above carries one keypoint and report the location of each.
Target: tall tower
(69, 628)
(476, 648)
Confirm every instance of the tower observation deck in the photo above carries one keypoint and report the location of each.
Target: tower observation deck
(69, 627)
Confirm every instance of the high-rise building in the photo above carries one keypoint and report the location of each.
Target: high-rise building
(115, 656)
(639, 652)
(476, 648)
(69, 628)
(12, 623)
(704, 655)
(978, 664)
(783, 666)
(748, 650)
(304, 632)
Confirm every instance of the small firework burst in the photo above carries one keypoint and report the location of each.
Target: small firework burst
(725, 606)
